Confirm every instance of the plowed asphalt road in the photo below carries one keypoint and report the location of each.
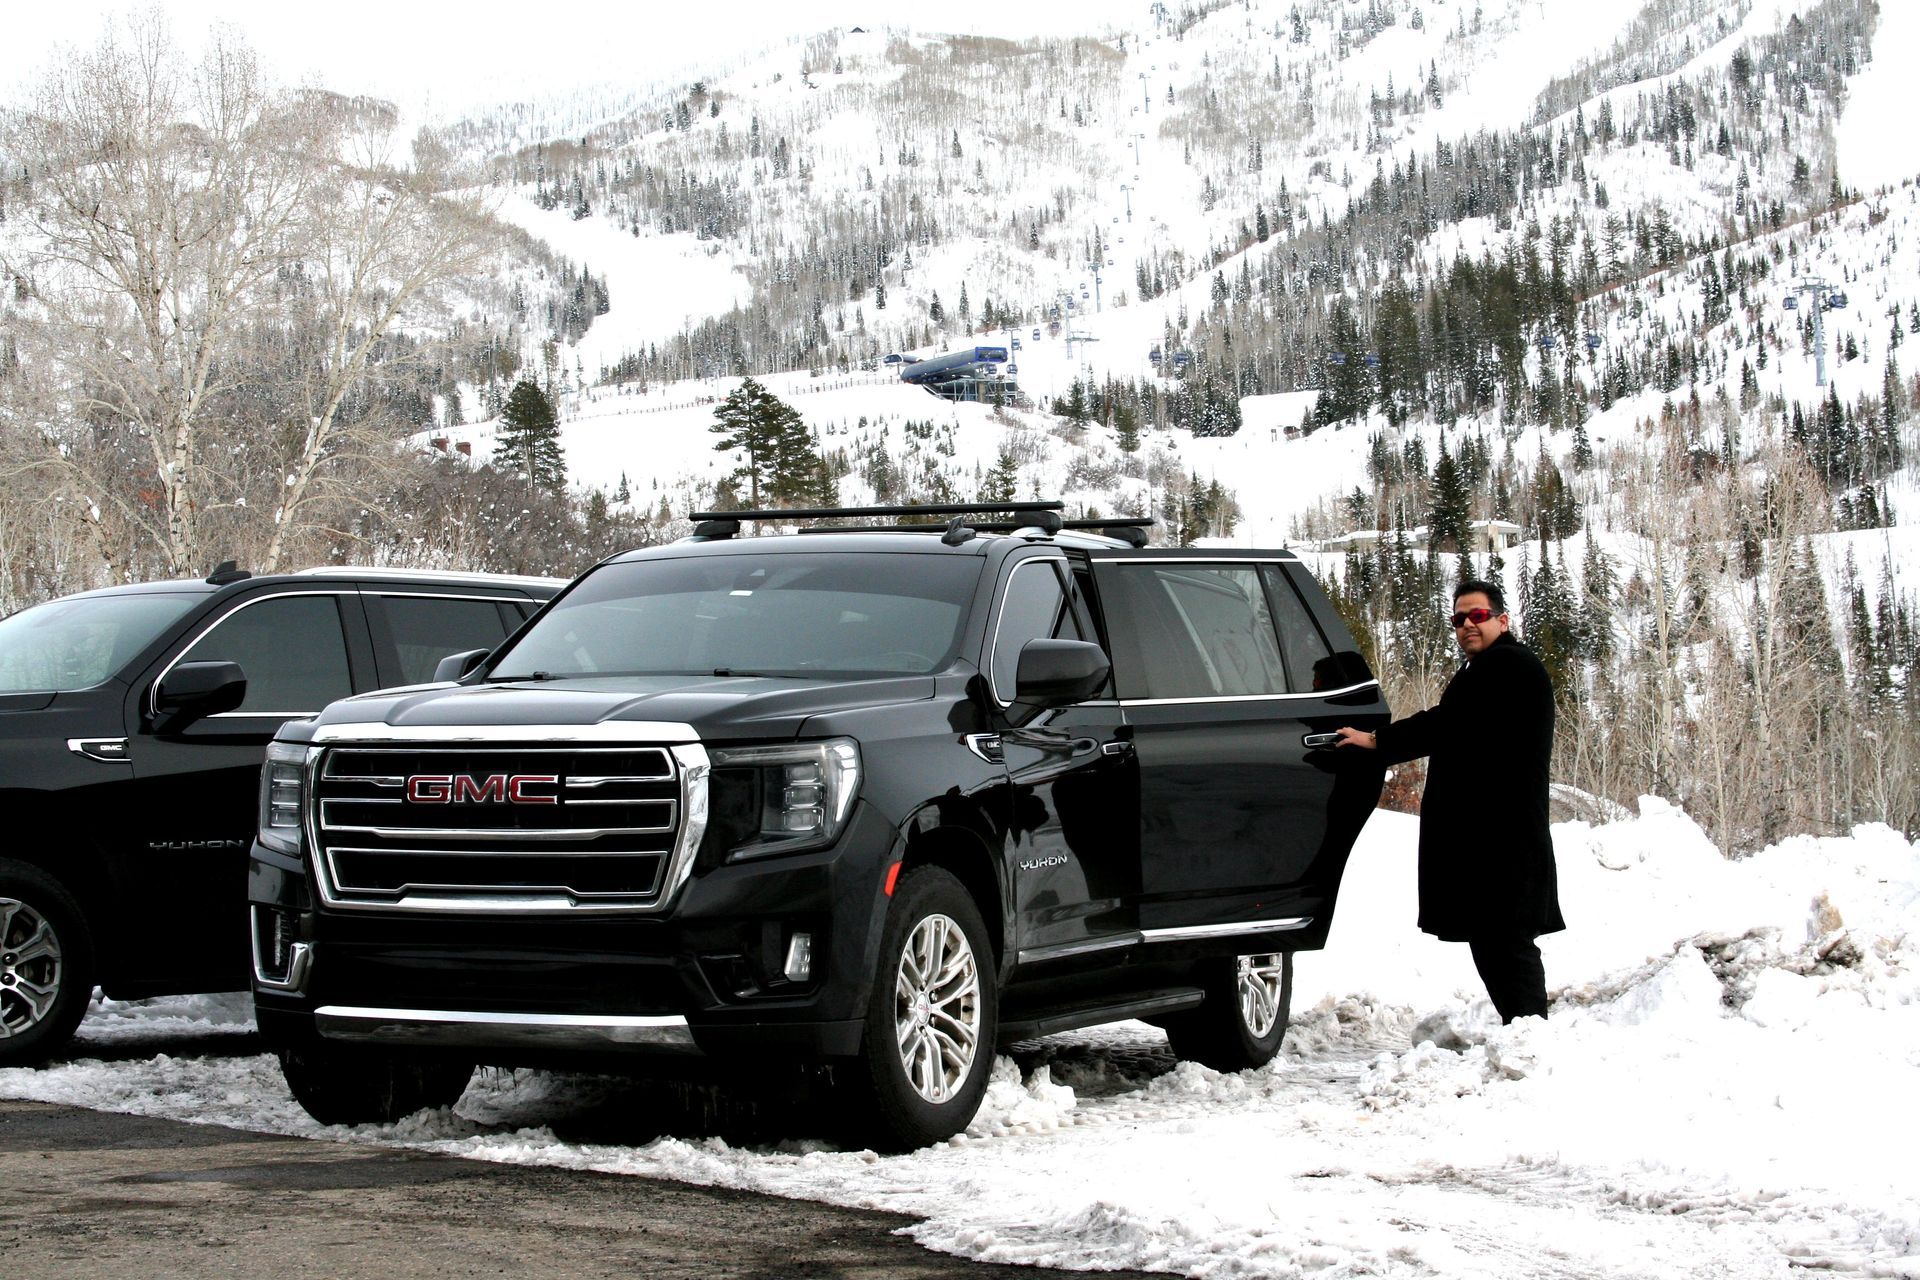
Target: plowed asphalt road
(85, 1193)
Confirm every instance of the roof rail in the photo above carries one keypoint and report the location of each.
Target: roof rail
(474, 577)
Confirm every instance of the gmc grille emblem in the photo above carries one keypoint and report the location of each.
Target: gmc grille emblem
(466, 788)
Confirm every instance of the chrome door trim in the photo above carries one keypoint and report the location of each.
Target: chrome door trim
(1085, 946)
(153, 690)
(1144, 937)
(1251, 697)
(999, 615)
(1195, 932)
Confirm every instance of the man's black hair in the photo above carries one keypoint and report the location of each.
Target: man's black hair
(1495, 596)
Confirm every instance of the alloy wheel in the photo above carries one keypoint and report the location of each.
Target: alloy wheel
(30, 964)
(937, 1008)
(1260, 981)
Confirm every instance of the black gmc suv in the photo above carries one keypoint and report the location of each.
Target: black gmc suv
(133, 721)
(881, 799)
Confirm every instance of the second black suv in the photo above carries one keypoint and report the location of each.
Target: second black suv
(132, 725)
(875, 799)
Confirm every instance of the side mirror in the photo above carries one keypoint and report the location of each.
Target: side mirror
(1058, 673)
(195, 689)
(456, 666)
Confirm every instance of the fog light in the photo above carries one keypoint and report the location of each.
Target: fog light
(279, 962)
(799, 957)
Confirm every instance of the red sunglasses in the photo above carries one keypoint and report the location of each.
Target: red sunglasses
(1475, 616)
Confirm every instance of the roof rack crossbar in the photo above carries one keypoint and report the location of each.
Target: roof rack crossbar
(839, 513)
(987, 526)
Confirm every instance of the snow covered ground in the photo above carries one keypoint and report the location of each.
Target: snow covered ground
(1724, 1089)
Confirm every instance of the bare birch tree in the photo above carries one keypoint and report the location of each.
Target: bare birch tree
(162, 197)
(381, 236)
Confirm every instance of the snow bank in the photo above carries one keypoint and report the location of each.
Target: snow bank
(1723, 1088)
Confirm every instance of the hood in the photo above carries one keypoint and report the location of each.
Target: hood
(716, 708)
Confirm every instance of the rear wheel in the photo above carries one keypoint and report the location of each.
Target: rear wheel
(1244, 1018)
(353, 1085)
(46, 964)
(931, 1019)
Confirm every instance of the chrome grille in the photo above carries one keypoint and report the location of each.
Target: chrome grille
(529, 827)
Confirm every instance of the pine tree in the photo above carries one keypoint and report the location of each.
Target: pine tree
(1599, 589)
(529, 438)
(781, 463)
(1452, 506)
(1003, 482)
(1552, 627)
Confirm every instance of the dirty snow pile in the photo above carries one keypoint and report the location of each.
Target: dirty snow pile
(1725, 1087)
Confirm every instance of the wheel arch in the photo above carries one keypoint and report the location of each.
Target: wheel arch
(76, 864)
(961, 848)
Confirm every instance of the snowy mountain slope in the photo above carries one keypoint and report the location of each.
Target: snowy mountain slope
(1574, 258)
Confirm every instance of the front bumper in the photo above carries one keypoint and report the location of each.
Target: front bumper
(710, 976)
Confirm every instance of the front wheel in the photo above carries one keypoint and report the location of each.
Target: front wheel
(1244, 1018)
(342, 1085)
(46, 964)
(931, 1020)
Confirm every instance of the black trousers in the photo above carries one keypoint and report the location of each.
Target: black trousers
(1516, 980)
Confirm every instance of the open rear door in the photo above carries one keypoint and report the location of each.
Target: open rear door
(1232, 691)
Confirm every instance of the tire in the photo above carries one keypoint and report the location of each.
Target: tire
(46, 965)
(931, 1020)
(340, 1085)
(1244, 1019)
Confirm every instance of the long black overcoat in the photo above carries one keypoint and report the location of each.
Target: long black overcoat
(1486, 854)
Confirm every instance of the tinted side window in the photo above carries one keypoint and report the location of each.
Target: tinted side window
(1033, 608)
(426, 629)
(1309, 656)
(293, 651)
(1193, 631)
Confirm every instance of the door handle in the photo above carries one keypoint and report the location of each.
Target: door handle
(1115, 748)
(1315, 740)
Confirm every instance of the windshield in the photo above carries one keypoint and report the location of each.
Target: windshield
(787, 614)
(78, 642)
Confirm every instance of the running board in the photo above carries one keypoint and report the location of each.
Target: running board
(1072, 1017)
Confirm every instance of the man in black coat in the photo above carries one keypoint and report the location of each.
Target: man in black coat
(1486, 855)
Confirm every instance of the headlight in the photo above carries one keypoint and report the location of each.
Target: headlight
(804, 792)
(283, 782)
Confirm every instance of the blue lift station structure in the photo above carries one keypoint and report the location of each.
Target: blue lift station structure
(973, 373)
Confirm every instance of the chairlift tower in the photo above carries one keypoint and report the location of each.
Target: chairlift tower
(1819, 292)
(1073, 337)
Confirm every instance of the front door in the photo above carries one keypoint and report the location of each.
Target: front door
(197, 786)
(1072, 826)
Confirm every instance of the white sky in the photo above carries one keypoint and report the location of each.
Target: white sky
(445, 59)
